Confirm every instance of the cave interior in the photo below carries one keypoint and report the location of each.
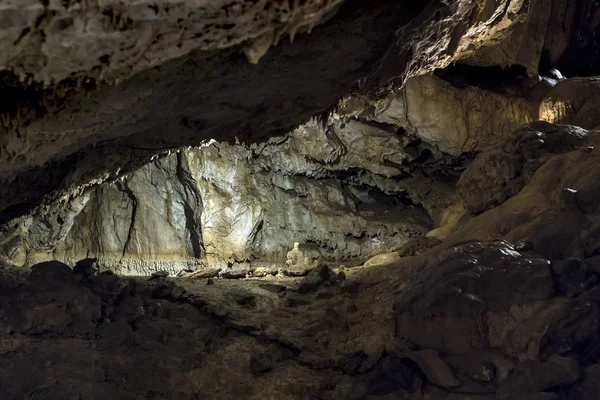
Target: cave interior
(300, 199)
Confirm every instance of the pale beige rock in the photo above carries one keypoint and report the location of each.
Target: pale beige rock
(303, 258)
(455, 119)
(232, 204)
(450, 218)
(515, 40)
(58, 55)
(382, 259)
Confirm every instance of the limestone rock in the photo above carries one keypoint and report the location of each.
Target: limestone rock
(95, 36)
(534, 376)
(50, 270)
(303, 258)
(497, 175)
(551, 215)
(221, 205)
(159, 274)
(85, 267)
(323, 276)
(573, 101)
(589, 386)
(137, 227)
(261, 364)
(450, 218)
(443, 307)
(68, 128)
(382, 259)
(201, 273)
(575, 278)
(53, 302)
(436, 370)
(457, 120)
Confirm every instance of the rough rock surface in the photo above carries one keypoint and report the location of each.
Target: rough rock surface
(456, 119)
(555, 211)
(499, 174)
(221, 204)
(472, 318)
(573, 101)
(76, 130)
(499, 300)
(238, 204)
(53, 40)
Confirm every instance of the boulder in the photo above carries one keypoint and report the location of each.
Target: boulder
(535, 376)
(435, 370)
(467, 297)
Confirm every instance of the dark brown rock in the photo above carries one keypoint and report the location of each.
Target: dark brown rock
(159, 274)
(261, 364)
(444, 305)
(573, 101)
(499, 174)
(574, 277)
(531, 377)
(351, 363)
(589, 387)
(393, 374)
(321, 276)
(50, 270)
(435, 370)
(85, 267)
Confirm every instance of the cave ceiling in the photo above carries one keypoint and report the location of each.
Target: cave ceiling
(92, 90)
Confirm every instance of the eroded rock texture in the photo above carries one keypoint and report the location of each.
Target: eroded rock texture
(63, 126)
(431, 233)
(340, 187)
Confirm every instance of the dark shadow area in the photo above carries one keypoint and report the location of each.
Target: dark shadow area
(489, 78)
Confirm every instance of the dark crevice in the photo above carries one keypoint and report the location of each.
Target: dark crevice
(192, 214)
(21, 102)
(122, 186)
(489, 78)
(390, 199)
(15, 211)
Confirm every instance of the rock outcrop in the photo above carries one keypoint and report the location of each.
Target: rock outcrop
(363, 181)
(223, 204)
(65, 124)
(573, 101)
(457, 119)
(402, 204)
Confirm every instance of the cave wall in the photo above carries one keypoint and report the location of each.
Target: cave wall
(226, 204)
(362, 181)
(359, 182)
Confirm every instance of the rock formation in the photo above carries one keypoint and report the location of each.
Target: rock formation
(299, 199)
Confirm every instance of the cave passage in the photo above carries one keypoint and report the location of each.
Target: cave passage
(325, 200)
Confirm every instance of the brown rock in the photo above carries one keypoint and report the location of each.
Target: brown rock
(535, 376)
(436, 370)
(443, 306)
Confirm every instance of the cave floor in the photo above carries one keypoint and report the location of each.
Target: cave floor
(448, 324)
(262, 338)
